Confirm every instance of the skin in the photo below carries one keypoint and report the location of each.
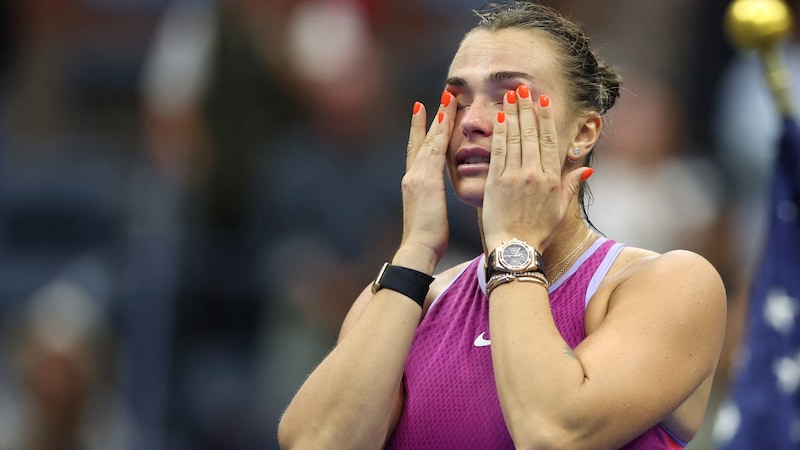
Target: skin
(654, 327)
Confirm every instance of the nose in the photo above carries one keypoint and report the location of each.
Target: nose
(478, 119)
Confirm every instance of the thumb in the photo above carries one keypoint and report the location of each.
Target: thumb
(572, 183)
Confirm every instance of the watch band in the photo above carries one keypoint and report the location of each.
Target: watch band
(409, 282)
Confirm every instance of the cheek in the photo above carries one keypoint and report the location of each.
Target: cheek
(456, 139)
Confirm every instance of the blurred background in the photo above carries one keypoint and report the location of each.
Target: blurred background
(192, 192)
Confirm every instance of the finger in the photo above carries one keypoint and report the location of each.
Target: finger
(513, 147)
(497, 163)
(416, 134)
(548, 143)
(571, 183)
(529, 131)
(435, 143)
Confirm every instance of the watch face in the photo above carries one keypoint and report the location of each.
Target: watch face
(515, 256)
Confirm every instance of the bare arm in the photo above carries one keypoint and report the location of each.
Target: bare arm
(353, 398)
(656, 344)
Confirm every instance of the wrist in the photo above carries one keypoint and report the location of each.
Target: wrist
(416, 257)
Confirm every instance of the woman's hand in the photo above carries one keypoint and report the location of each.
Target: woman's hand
(526, 196)
(425, 226)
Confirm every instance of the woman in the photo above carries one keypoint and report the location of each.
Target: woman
(555, 337)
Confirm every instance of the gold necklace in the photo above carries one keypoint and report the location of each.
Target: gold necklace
(567, 261)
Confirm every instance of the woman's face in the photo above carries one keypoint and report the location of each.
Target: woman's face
(485, 67)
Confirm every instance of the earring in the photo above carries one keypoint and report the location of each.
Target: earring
(575, 152)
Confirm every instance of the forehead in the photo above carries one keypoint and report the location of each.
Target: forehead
(483, 52)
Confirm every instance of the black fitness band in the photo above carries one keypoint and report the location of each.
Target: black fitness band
(409, 282)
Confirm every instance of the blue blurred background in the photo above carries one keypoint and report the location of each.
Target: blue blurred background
(192, 192)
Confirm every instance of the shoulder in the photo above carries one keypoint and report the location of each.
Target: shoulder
(638, 268)
(678, 284)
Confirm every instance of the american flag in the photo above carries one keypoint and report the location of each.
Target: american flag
(763, 408)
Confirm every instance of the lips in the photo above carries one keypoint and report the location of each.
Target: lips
(473, 155)
(473, 161)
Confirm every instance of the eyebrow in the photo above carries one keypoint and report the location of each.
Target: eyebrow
(494, 77)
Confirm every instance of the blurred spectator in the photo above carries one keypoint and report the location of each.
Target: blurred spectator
(649, 190)
(215, 94)
(68, 135)
(329, 189)
(59, 389)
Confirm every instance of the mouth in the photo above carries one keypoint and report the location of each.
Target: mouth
(475, 155)
(473, 160)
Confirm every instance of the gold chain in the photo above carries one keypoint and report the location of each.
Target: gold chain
(567, 261)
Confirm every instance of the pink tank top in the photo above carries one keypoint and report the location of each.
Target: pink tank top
(451, 400)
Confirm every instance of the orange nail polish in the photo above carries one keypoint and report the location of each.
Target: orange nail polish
(586, 174)
(446, 97)
(417, 107)
(440, 117)
(544, 100)
(501, 116)
(524, 91)
(511, 97)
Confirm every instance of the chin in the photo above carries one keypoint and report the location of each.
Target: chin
(470, 191)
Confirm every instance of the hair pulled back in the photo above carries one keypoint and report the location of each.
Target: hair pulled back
(594, 86)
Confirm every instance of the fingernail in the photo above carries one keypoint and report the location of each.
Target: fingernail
(440, 117)
(417, 107)
(511, 97)
(446, 96)
(501, 116)
(524, 91)
(587, 173)
(544, 100)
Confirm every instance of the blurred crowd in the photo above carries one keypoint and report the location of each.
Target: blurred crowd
(192, 192)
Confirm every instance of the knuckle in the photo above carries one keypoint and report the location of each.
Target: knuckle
(531, 178)
(548, 138)
(530, 133)
(410, 182)
(514, 139)
(405, 183)
(498, 151)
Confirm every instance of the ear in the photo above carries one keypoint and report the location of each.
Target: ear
(588, 129)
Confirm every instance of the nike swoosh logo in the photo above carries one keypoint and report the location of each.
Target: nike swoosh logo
(481, 340)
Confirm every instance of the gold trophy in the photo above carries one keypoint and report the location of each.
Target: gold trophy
(760, 25)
